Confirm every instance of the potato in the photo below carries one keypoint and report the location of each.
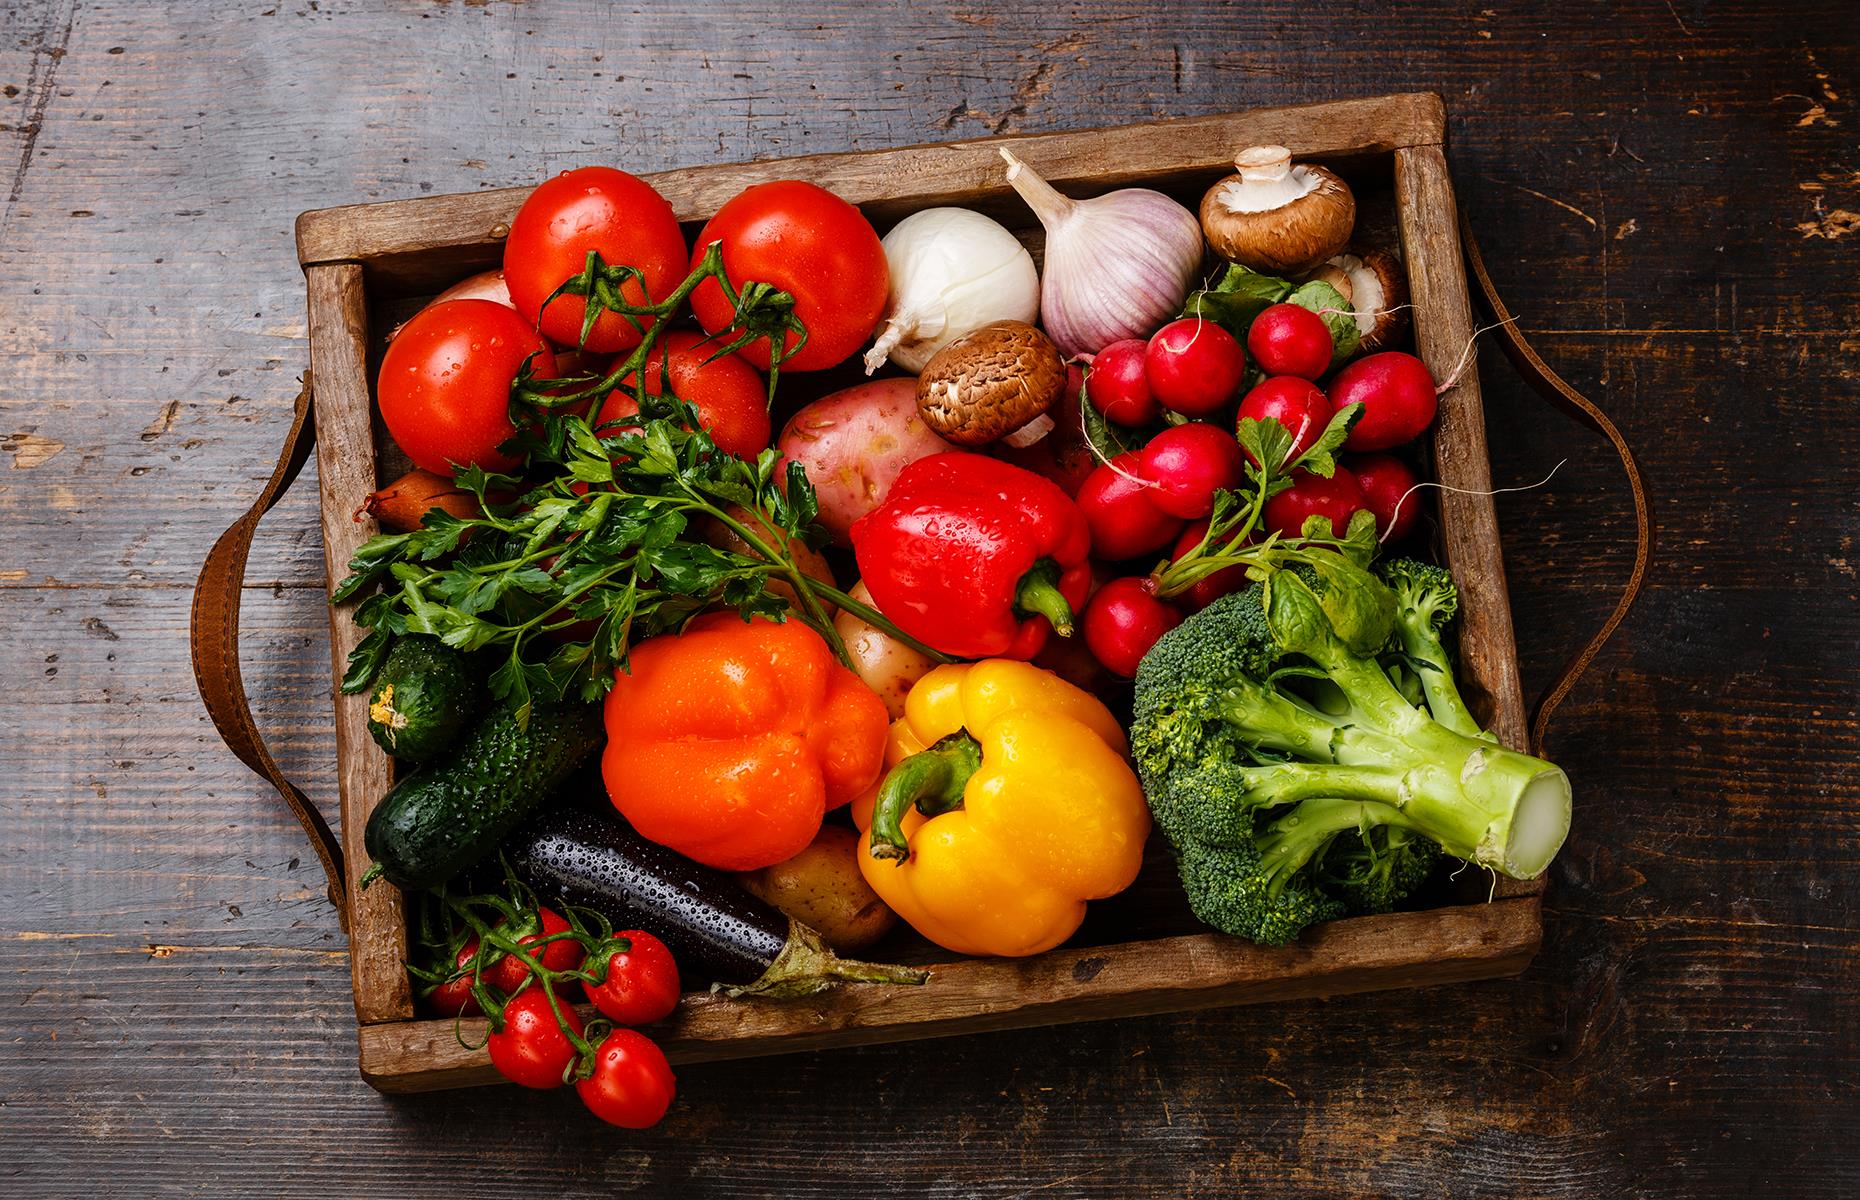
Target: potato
(853, 443)
(821, 887)
(886, 665)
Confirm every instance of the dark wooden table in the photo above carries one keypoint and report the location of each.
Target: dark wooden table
(1667, 190)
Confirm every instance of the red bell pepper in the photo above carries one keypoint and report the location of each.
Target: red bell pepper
(975, 557)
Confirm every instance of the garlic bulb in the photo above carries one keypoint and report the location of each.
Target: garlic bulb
(952, 272)
(1117, 266)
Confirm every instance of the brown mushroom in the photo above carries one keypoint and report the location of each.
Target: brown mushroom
(1276, 216)
(1376, 287)
(990, 382)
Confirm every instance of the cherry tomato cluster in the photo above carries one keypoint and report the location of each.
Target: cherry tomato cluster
(522, 965)
(1157, 498)
(446, 379)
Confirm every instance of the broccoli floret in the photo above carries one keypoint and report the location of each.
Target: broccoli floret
(1425, 601)
(1297, 782)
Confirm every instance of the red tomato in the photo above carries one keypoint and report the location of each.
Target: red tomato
(445, 382)
(642, 982)
(453, 998)
(731, 398)
(1315, 496)
(811, 244)
(531, 1048)
(600, 209)
(1389, 491)
(632, 1084)
(508, 973)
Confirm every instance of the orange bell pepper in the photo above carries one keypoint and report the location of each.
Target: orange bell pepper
(1009, 804)
(728, 742)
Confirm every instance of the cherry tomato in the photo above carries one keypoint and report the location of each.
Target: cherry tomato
(1287, 339)
(1188, 464)
(1389, 491)
(1124, 520)
(632, 1084)
(1194, 367)
(642, 982)
(1294, 403)
(1312, 495)
(453, 998)
(731, 398)
(806, 241)
(531, 1048)
(508, 973)
(1208, 588)
(445, 382)
(1118, 386)
(1123, 621)
(600, 209)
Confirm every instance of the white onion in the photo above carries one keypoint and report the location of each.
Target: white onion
(1117, 266)
(952, 272)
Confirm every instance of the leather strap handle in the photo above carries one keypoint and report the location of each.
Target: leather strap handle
(215, 625)
(1579, 408)
(214, 640)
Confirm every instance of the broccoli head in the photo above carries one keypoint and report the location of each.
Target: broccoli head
(1296, 780)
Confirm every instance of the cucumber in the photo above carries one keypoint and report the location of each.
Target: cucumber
(425, 695)
(447, 816)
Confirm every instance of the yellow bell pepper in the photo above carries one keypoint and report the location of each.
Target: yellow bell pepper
(1008, 805)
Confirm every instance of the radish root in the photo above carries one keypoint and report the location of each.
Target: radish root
(1395, 517)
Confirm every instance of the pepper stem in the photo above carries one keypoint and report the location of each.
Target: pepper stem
(1039, 595)
(933, 780)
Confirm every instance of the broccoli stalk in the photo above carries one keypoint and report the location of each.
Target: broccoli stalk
(1353, 818)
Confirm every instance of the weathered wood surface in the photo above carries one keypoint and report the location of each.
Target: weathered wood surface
(1665, 191)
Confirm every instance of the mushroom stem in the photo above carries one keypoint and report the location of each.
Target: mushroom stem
(1264, 164)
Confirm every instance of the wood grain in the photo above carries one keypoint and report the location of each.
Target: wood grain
(338, 310)
(177, 1016)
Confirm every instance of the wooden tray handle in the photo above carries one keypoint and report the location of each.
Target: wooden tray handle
(215, 624)
(214, 641)
(1582, 410)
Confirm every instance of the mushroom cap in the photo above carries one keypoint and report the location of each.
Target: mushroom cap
(1376, 286)
(1294, 234)
(990, 382)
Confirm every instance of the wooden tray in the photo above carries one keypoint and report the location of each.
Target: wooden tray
(1139, 954)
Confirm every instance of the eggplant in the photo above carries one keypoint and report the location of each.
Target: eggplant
(596, 861)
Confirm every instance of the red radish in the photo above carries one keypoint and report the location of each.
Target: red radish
(1188, 464)
(1398, 396)
(1194, 367)
(1294, 403)
(1124, 521)
(1208, 589)
(1289, 340)
(1123, 621)
(1388, 491)
(1310, 495)
(1118, 387)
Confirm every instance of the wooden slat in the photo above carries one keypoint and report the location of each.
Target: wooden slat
(1067, 985)
(1443, 329)
(338, 317)
(425, 243)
